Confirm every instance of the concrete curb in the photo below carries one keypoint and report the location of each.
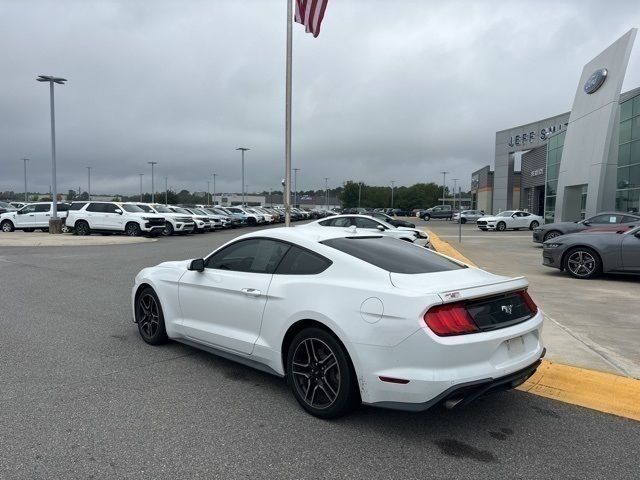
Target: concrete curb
(604, 392)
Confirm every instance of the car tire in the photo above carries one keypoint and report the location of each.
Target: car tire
(426, 217)
(7, 226)
(582, 262)
(64, 228)
(132, 229)
(251, 222)
(168, 229)
(320, 374)
(501, 226)
(150, 318)
(551, 234)
(463, 221)
(82, 228)
(533, 225)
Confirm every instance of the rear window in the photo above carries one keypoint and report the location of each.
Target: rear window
(393, 255)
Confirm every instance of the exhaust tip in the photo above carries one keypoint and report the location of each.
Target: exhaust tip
(452, 403)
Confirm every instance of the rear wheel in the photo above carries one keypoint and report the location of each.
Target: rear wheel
(320, 374)
(463, 220)
(150, 318)
(132, 229)
(533, 225)
(7, 226)
(583, 263)
(82, 228)
(501, 227)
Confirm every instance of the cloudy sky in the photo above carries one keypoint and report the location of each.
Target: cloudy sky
(390, 90)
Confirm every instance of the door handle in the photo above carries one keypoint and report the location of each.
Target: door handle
(252, 292)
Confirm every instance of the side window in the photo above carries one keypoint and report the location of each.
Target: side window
(27, 209)
(254, 255)
(628, 219)
(96, 207)
(326, 223)
(605, 219)
(366, 223)
(110, 208)
(299, 261)
(42, 207)
(77, 206)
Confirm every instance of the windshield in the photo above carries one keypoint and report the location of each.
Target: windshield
(507, 213)
(131, 208)
(162, 209)
(145, 208)
(198, 211)
(180, 210)
(4, 204)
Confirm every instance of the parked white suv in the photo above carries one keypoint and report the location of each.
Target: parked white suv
(203, 224)
(87, 217)
(253, 219)
(31, 217)
(174, 222)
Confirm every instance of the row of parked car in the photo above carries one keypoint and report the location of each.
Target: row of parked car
(136, 218)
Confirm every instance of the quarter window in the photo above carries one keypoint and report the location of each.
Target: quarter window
(299, 261)
(254, 255)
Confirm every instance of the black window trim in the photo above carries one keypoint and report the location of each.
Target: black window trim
(287, 242)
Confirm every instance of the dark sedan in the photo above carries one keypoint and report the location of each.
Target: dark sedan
(552, 230)
(589, 253)
(396, 222)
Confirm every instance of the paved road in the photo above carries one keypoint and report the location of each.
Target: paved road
(604, 313)
(81, 396)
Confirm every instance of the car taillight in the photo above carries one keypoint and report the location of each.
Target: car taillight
(528, 301)
(450, 319)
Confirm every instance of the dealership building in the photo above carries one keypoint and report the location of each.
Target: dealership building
(575, 164)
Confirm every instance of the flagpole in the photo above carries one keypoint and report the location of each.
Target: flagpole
(287, 140)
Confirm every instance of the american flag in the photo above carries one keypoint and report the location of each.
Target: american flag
(310, 14)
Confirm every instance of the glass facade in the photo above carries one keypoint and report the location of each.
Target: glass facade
(628, 186)
(554, 154)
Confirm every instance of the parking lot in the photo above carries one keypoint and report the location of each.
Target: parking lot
(83, 396)
(590, 323)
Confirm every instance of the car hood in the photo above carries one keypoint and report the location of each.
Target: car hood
(177, 264)
(459, 284)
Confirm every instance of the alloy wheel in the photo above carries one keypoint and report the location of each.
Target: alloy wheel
(7, 227)
(551, 235)
(316, 373)
(581, 263)
(149, 320)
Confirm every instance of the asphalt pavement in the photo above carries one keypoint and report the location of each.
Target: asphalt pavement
(82, 396)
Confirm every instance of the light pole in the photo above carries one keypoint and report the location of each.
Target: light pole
(141, 174)
(25, 160)
(153, 188)
(295, 186)
(214, 175)
(359, 192)
(55, 225)
(326, 193)
(455, 184)
(444, 178)
(242, 149)
(209, 192)
(166, 190)
(89, 181)
(393, 187)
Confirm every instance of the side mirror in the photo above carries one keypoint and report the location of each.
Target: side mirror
(381, 228)
(118, 211)
(197, 265)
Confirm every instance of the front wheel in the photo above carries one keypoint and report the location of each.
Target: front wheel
(64, 228)
(150, 318)
(582, 263)
(7, 226)
(132, 229)
(501, 227)
(533, 225)
(551, 234)
(168, 229)
(426, 218)
(320, 374)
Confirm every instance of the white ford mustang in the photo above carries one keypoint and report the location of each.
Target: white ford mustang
(347, 318)
(510, 219)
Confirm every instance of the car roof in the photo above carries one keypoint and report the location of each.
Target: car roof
(305, 236)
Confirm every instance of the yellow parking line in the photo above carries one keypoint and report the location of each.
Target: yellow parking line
(600, 391)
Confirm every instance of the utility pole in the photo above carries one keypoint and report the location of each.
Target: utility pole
(89, 181)
(359, 192)
(209, 192)
(326, 193)
(166, 190)
(242, 149)
(444, 178)
(141, 174)
(393, 187)
(55, 224)
(295, 186)
(153, 187)
(455, 184)
(25, 160)
(213, 201)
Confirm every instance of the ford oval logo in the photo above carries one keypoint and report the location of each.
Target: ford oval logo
(595, 81)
